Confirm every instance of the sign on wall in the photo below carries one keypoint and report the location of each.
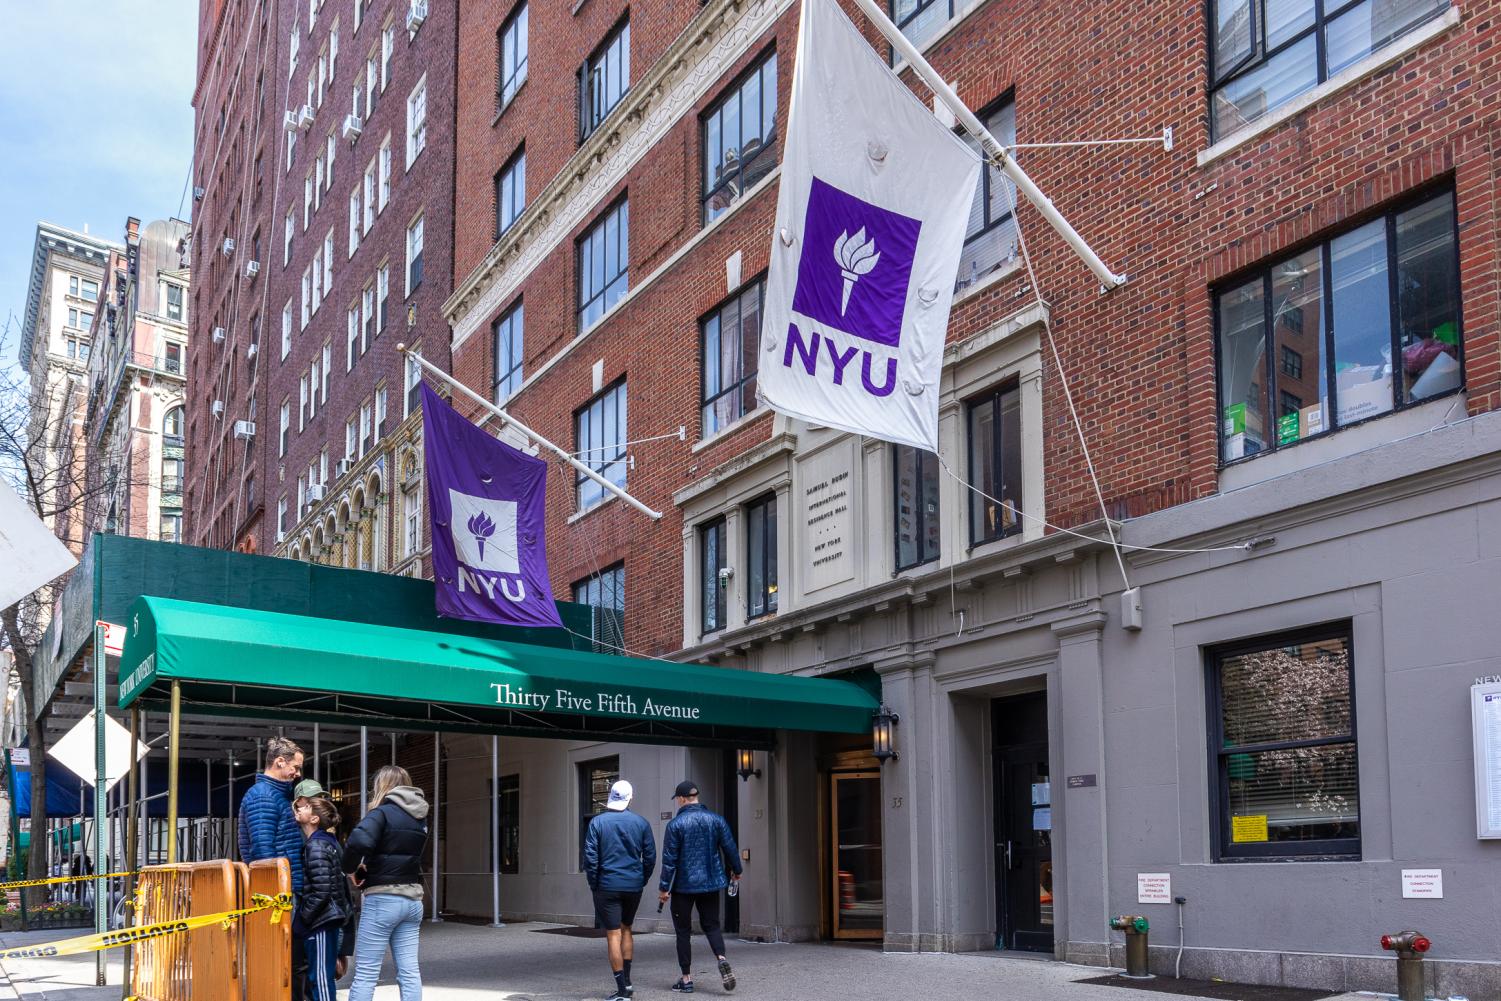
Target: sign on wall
(1485, 721)
(1154, 888)
(1423, 884)
(826, 508)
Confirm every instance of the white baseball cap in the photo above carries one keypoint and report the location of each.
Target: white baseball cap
(620, 795)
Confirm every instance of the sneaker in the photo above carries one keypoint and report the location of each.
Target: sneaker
(617, 996)
(683, 986)
(630, 990)
(726, 975)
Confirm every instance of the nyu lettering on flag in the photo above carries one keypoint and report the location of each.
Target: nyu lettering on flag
(485, 500)
(875, 195)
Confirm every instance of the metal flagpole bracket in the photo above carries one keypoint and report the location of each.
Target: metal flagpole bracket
(993, 149)
(506, 418)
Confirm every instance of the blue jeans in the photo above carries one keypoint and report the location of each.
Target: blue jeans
(387, 919)
(322, 951)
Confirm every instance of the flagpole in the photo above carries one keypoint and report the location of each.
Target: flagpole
(993, 148)
(500, 412)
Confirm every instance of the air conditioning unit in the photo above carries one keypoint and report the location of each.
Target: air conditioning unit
(305, 117)
(314, 493)
(344, 466)
(245, 429)
(197, 194)
(218, 408)
(352, 127)
(252, 268)
(218, 335)
(251, 352)
(229, 246)
(292, 120)
(416, 14)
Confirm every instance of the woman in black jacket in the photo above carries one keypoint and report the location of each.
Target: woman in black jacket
(384, 855)
(324, 903)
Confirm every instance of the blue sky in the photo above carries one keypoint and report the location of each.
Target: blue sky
(95, 110)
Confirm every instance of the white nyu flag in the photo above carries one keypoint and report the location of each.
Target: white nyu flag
(874, 201)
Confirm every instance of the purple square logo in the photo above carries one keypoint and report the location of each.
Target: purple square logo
(855, 266)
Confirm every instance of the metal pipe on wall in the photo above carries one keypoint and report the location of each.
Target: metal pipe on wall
(495, 921)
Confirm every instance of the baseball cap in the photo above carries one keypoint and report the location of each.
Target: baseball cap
(685, 789)
(307, 789)
(620, 796)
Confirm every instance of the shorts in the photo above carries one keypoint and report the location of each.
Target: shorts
(615, 908)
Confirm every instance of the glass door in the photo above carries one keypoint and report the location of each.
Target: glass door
(859, 901)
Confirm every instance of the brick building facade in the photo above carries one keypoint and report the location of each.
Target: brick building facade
(1313, 259)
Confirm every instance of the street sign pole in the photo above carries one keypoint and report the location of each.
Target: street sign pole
(101, 886)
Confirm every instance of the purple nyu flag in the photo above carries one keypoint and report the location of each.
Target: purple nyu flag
(485, 500)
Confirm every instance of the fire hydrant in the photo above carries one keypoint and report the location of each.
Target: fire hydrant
(1135, 927)
(1409, 947)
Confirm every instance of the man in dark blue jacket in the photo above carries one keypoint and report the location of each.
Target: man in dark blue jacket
(619, 856)
(696, 848)
(268, 828)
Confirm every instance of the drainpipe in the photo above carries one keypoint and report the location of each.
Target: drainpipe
(1178, 963)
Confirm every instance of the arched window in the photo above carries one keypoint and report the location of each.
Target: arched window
(172, 423)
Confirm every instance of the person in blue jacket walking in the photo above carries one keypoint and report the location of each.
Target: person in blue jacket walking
(268, 828)
(696, 848)
(619, 857)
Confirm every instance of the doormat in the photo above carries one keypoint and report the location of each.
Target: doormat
(1216, 989)
(572, 932)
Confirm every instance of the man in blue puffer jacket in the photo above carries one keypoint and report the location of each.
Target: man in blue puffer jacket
(696, 848)
(619, 856)
(268, 828)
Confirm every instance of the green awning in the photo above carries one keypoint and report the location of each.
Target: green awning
(250, 662)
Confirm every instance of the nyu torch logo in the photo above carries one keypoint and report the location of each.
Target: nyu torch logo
(485, 543)
(852, 281)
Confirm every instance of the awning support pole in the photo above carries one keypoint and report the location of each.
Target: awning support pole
(437, 818)
(229, 811)
(101, 887)
(315, 752)
(506, 418)
(495, 921)
(994, 151)
(174, 746)
(364, 774)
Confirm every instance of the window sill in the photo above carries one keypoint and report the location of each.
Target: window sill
(1354, 74)
(998, 275)
(731, 428)
(580, 515)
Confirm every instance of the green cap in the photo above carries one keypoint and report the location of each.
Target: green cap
(307, 789)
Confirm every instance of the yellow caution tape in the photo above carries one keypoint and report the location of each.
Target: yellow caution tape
(63, 879)
(278, 904)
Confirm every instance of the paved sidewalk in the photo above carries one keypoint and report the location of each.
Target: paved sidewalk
(523, 963)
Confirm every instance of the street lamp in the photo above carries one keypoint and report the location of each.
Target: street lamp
(746, 762)
(881, 727)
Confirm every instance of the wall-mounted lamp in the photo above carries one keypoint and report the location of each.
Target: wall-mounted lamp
(746, 764)
(882, 724)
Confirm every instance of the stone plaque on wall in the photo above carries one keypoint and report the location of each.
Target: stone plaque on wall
(825, 497)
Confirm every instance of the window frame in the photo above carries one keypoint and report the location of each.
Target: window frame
(993, 397)
(508, 787)
(710, 579)
(1272, 361)
(580, 447)
(507, 172)
(519, 22)
(515, 319)
(760, 506)
(769, 147)
(585, 772)
(417, 226)
(924, 459)
(609, 582)
(587, 124)
(621, 205)
(1224, 849)
(705, 402)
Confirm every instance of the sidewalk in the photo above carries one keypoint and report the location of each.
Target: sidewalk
(530, 962)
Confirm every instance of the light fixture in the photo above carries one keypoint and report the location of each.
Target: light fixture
(746, 764)
(880, 733)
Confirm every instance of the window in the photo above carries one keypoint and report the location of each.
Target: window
(292, 46)
(367, 195)
(286, 239)
(990, 237)
(385, 175)
(291, 149)
(284, 427)
(367, 316)
(281, 519)
(382, 294)
(372, 83)
(352, 335)
(511, 46)
(761, 556)
(172, 356)
(364, 439)
(171, 529)
(713, 560)
(604, 592)
(351, 438)
(90, 290)
(916, 506)
(730, 338)
(510, 192)
(380, 414)
(604, 264)
(1363, 324)
(922, 20)
(387, 49)
(599, 442)
(333, 49)
(1282, 744)
(995, 465)
(308, 186)
(604, 78)
(740, 139)
(172, 424)
(595, 779)
(174, 302)
(354, 221)
(411, 505)
(172, 476)
(414, 255)
(508, 351)
(82, 319)
(509, 808)
(416, 121)
(327, 368)
(302, 402)
(286, 330)
(1264, 53)
(328, 264)
(413, 393)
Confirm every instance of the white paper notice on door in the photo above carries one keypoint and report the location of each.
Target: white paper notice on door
(1485, 707)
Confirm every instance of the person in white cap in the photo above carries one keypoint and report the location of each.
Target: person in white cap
(620, 855)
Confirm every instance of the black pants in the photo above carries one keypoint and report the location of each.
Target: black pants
(708, 919)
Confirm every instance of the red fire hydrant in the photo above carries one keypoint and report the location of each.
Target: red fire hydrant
(1409, 947)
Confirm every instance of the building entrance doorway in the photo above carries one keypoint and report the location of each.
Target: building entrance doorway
(1023, 823)
(859, 897)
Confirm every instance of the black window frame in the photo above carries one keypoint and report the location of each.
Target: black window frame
(620, 210)
(926, 464)
(1324, 13)
(713, 589)
(765, 157)
(762, 603)
(923, 6)
(1271, 360)
(988, 177)
(994, 398)
(706, 401)
(584, 452)
(518, 191)
(587, 772)
(505, 800)
(504, 371)
(1224, 848)
(606, 622)
(504, 83)
(588, 121)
